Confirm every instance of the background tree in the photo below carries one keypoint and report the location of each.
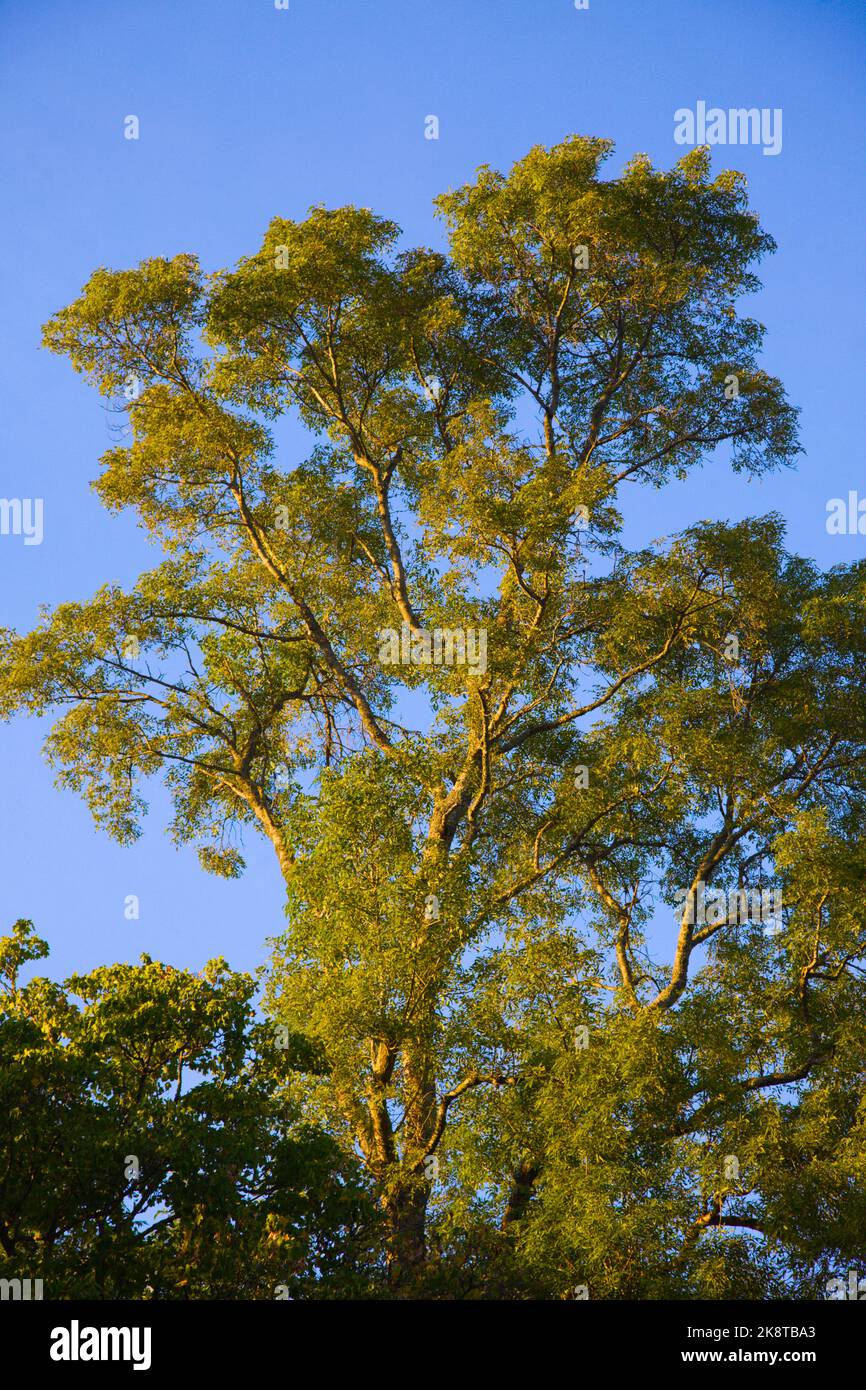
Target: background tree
(144, 1150)
(476, 856)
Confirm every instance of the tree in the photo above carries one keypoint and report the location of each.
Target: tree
(491, 746)
(144, 1148)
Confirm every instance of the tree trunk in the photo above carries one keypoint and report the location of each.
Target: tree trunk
(406, 1213)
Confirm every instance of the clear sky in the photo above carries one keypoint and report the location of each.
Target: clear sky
(247, 112)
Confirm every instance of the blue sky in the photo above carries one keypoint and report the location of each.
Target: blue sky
(247, 112)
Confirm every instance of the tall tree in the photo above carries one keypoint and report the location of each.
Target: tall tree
(488, 743)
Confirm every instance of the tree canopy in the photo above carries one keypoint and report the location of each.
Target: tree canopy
(570, 831)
